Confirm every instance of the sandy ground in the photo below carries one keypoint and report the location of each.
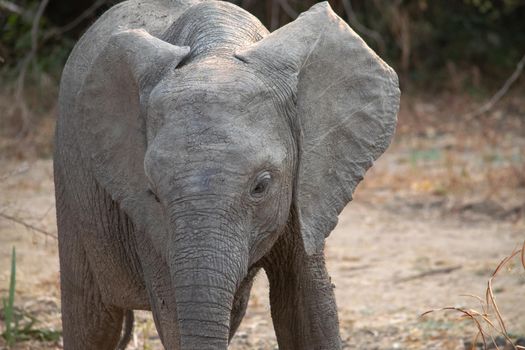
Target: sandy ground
(408, 243)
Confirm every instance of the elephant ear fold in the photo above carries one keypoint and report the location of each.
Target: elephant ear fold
(347, 103)
(109, 104)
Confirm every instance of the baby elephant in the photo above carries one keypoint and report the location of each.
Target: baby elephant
(194, 148)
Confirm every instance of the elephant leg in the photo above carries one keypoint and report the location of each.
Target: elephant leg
(160, 293)
(86, 321)
(302, 300)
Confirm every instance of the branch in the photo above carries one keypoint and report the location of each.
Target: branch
(19, 99)
(288, 9)
(20, 170)
(444, 270)
(27, 226)
(274, 19)
(352, 19)
(487, 106)
(88, 12)
(9, 6)
(245, 4)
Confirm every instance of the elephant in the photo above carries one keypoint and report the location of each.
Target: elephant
(194, 149)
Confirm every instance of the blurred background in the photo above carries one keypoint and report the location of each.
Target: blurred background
(463, 50)
(430, 223)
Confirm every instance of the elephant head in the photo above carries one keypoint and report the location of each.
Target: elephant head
(209, 151)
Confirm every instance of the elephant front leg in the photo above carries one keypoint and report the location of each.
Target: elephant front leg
(161, 295)
(88, 323)
(302, 300)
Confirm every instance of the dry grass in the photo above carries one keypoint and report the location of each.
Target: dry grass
(484, 319)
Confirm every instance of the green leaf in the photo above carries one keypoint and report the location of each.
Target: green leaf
(10, 321)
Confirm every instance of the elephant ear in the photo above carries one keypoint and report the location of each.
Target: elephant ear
(347, 101)
(109, 104)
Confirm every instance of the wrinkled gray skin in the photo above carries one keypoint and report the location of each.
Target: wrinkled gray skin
(194, 148)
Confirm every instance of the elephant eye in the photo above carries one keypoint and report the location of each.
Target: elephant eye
(261, 184)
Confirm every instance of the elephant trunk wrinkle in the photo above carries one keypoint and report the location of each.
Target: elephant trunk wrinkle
(204, 307)
(209, 215)
(208, 261)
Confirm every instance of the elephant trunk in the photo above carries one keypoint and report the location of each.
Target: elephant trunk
(206, 264)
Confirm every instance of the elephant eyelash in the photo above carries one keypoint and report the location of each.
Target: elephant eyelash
(261, 185)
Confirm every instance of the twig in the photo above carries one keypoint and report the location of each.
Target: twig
(352, 19)
(501, 92)
(288, 9)
(480, 300)
(471, 314)
(245, 4)
(48, 210)
(28, 226)
(274, 20)
(88, 12)
(489, 302)
(489, 295)
(9, 6)
(19, 99)
(523, 255)
(20, 170)
(430, 273)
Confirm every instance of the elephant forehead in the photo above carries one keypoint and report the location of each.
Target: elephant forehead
(230, 143)
(193, 139)
(210, 120)
(224, 80)
(209, 95)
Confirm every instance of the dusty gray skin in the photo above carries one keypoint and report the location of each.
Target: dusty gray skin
(193, 149)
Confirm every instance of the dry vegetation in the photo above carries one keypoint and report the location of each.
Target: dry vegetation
(489, 320)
